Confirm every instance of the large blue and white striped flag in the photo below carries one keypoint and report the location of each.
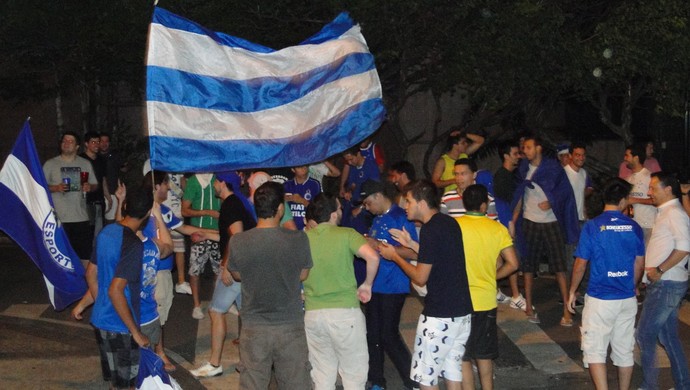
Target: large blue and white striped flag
(217, 102)
(27, 215)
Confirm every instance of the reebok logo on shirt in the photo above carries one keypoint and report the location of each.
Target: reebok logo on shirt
(618, 274)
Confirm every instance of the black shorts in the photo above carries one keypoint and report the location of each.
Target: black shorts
(543, 239)
(119, 358)
(483, 340)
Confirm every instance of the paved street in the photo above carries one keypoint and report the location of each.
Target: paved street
(40, 348)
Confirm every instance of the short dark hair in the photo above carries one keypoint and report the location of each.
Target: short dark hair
(452, 140)
(104, 134)
(159, 177)
(137, 203)
(577, 145)
(405, 167)
(505, 147)
(91, 135)
(355, 150)
(536, 139)
(267, 198)
(668, 179)
(321, 208)
(638, 149)
(474, 196)
(73, 134)
(616, 189)
(424, 190)
(469, 162)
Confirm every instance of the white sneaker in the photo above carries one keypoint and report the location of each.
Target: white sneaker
(197, 313)
(518, 303)
(183, 288)
(206, 371)
(502, 298)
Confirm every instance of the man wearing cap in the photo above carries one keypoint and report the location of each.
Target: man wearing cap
(390, 288)
(236, 215)
(563, 152)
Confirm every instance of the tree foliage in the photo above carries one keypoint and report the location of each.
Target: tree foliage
(511, 57)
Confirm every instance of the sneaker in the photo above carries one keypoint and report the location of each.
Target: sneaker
(518, 303)
(197, 313)
(207, 370)
(502, 298)
(183, 288)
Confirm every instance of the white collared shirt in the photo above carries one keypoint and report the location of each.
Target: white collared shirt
(671, 231)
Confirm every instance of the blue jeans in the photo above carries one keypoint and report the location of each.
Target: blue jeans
(659, 320)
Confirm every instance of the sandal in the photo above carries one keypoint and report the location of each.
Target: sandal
(534, 318)
(566, 323)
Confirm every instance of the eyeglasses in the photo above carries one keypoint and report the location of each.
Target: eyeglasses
(95, 141)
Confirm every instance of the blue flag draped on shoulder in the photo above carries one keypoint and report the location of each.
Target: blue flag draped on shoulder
(27, 215)
(217, 102)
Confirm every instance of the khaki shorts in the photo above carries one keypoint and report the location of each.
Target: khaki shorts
(164, 294)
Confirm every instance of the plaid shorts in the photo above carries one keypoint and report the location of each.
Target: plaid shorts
(201, 253)
(543, 239)
(119, 358)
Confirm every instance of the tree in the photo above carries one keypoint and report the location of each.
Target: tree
(88, 48)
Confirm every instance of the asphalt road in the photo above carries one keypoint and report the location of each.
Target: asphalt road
(41, 348)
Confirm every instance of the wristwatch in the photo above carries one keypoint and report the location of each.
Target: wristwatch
(659, 270)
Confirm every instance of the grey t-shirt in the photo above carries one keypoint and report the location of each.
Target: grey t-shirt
(270, 261)
(69, 206)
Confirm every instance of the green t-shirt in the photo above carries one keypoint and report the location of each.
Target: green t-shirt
(202, 199)
(331, 283)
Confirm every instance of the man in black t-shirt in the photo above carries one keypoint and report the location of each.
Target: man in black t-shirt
(445, 323)
(95, 199)
(236, 215)
(505, 183)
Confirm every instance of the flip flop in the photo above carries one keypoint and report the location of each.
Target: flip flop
(566, 323)
(169, 367)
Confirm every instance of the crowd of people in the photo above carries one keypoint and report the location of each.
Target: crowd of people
(319, 273)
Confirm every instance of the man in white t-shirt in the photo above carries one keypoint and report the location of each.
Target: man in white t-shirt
(544, 220)
(582, 188)
(643, 207)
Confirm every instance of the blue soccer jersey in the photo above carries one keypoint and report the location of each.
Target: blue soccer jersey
(610, 243)
(390, 279)
(172, 222)
(308, 190)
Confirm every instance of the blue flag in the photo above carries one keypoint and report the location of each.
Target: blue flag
(217, 102)
(152, 375)
(27, 215)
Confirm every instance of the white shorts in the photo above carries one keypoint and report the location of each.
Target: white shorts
(607, 322)
(438, 349)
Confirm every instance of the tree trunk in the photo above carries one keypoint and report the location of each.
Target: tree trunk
(59, 121)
